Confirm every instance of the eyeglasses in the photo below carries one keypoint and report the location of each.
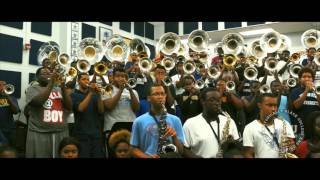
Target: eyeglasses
(158, 94)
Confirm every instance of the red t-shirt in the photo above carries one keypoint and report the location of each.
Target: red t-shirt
(302, 150)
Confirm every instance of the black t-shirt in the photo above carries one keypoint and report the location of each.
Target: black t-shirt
(190, 107)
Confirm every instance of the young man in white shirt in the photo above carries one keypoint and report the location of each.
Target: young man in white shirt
(204, 133)
(262, 138)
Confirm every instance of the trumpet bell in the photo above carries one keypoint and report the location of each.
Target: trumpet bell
(229, 60)
(230, 86)
(72, 72)
(145, 64)
(189, 67)
(265, 89)
(50, 50)
(251, 73)
(200, 84)
(83, 66)
(64, 59)
(116, 49)
(270, 41)
(198, 40)
(100, 68)
(294, 70)
(232, 43)
(291, 82)
(132, 83)
(214, 72)
(168, 63)
(271, 64)
(8, 89)
(90, 49)
(310, 38)
(169, 43)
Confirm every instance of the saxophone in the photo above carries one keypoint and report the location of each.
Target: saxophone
(284, 148)
(164, 145)
(225, 134)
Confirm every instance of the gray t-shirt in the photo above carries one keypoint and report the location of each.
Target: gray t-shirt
(122, 112)
(50, 116)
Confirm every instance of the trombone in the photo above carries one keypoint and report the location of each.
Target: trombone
(200, 84)
(145, 64)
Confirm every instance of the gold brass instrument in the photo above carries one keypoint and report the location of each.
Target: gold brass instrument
(232, 43)
(285, 148)
(198, 40)
(265, 89)
(183, 50)
(251, 60)
(116, 49)
(132, 83)
(285, 43)
(168, 63)
(294, 70)
(270, 41)
(271, 64)
(229, 61)
(169, 43)
(91, 50)
(291, 82)
(189, 67)
(256, 50)
(251, 73)
(145, 64)
(83, 66)
(310, 38)
(214, 72)
(72, 72)
(100, 68)
(8, 89)
(295, 57)
(225, 133)
(50, 50)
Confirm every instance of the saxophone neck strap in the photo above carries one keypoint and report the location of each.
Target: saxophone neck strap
(214, 132)
(273, 135)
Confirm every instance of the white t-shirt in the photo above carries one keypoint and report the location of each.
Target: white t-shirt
(201, 139)
(270, 78)
(257, 136)
(176, 78)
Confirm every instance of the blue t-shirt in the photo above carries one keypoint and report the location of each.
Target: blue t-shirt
(86, 122)
(6, 115)
(309, 105)
(145, 133)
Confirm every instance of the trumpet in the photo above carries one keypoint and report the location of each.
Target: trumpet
(291, 82)
(8, 89)
(64, 59)
(167, 81)
(168, 63)
(251, 73)
(200, 84)
(230, 86)
(229, 61)
(295, 57)
(132, 83)
(72, 72)
(265, 89)
(317, 89)
(145, 64)
(200, 66)
(100, 68)
(214, 72)
(83, 66)
(271, 64)
(294, 70)
(189, 67)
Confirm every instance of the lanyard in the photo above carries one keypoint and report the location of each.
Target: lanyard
(273, 135)
(215, 134)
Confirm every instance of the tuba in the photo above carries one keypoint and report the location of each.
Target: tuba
(270, 41)
(294, 70)
(256, 50)
(271, 64)
(251, 73)
(8, 89)
(168, 63)
(50, 50)
(232, 43)
(291, 82)
(100, 68)
(285, 43)
(116, 49)
(169, 43)
(214, 72)
(198, 40)
(137, 46)
(91, 50)
(83, 66)
(310, 38)
(145, 64)
(189, 67)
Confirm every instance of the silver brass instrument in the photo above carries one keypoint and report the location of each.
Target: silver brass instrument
(168, 63)
(251, 60)
(116, 49)
(100, 68)
(310, 38)
(189, 67)
(251, 73)
(167, 81)
(270, 41)
(294, 70)
(164, 145)
(64, 59)
(256, 50)
(137, 46)
(83, 66)
(265, 89)
(200, 84)
(271, 64)
(200, 66)
(50, 50)
(181, 58)
(169, 43)
(230, 86)
(291, 82)
(145, 64)
(198, 40)
(9, 89)
(91, 50)
(214, 72)
(132, 83)
(317, 58)
(285, 43)
(232, 43)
